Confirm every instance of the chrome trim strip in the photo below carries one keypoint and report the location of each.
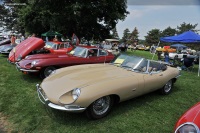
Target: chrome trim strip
(187, 123)
(40, 94)
(54, 106)
(25, 70)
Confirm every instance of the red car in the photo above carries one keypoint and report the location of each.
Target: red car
(35, 45)
(46, 63)
(189, 122)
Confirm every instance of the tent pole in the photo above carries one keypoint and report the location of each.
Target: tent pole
(199, 65)
(155, 49)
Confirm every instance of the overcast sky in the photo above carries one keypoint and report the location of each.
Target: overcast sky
(159, 14)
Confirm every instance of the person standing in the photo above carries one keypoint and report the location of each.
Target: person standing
(12, 39)
(55, 38)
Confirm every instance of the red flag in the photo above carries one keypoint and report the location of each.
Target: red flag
(75, 40)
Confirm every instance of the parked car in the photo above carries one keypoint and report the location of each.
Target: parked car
(140, 47)
(5, 41)
(5, 49)
(94, 88)
(35, 45)
(46, 63)
(189, 122)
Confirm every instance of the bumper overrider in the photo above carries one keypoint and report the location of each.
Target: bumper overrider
(24, 70)
(68, 108)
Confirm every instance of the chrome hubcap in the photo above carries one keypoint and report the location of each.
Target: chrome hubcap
(168, 86)
(101, 105)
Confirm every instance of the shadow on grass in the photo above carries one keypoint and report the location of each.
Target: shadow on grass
(31, 78)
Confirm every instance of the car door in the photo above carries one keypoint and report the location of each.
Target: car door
(155, 76)
(92, 56)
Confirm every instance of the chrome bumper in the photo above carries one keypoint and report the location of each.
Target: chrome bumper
(68, 108)
(24, 70)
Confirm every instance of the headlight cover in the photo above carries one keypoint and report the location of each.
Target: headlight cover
(187, 128)
(76, 93)
(33, 63)
(19, 57)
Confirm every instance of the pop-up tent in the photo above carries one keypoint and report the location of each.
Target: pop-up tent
(186, 37)
(48, 36)
(51, 33)
(178, 46)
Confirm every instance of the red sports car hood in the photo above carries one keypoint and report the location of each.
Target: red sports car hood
(25, 47)
(192, 115)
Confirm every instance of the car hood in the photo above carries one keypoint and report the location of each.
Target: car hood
(25, 48)
(192, 115)
(7, 48)
(80, 76)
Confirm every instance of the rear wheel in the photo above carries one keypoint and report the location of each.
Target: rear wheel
(47, 71)
(100, 108)
(167, 88)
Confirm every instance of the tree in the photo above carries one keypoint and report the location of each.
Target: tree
(126, 35)
(186, 27)
(168, 32)
(133, 38)
(114, 33)
(86, 18)
(153, 36)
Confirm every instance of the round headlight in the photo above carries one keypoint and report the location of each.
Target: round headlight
(76, 93)
(33, 63)
(187, 128)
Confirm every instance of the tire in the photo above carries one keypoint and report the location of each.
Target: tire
(47, 71)
(100, 108)
(167, 88)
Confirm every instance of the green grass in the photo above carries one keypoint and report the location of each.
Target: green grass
(151, 113)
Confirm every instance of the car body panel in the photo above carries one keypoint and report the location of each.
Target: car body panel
(62, 60)
(98, 80)
(192, 116)
(5, 41)
(25, 48)
(59, 47)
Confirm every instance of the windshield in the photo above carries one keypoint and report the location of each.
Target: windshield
(50, 45)
(79, 51)
(130, 62)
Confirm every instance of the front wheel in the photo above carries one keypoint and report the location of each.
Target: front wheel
(47, 71)
(167, 88)
(100, 108)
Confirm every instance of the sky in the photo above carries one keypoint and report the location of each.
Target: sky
(146, 16)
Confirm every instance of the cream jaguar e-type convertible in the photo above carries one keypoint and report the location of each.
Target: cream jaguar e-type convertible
(96, 88)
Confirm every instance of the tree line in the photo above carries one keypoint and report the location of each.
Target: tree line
(153, 36)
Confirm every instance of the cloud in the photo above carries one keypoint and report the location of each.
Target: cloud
(163, 2)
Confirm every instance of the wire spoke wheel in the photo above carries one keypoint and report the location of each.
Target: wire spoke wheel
(101, 105)
(168, 86)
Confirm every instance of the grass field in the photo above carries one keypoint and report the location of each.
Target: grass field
(151, 113)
